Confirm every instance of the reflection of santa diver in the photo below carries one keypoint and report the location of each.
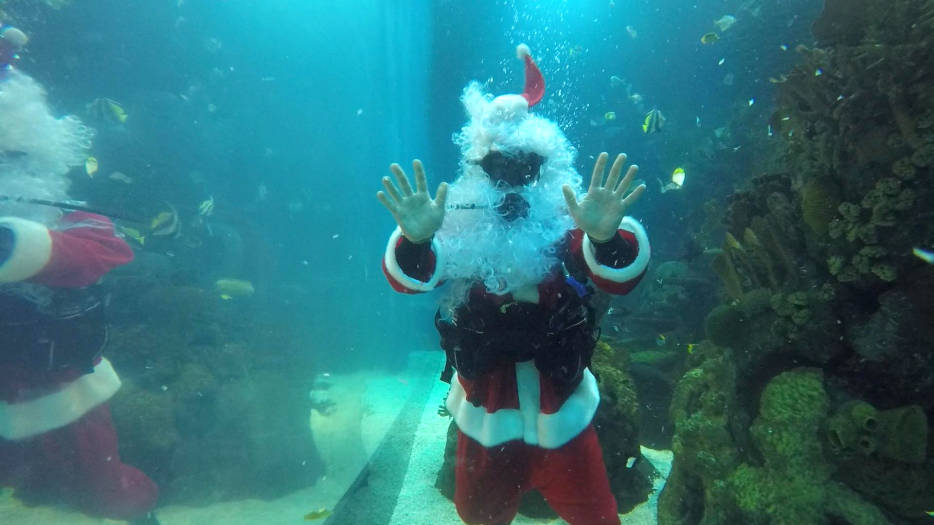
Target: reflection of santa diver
(521, 263)
(57, 441)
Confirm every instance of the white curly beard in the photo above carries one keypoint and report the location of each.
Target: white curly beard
(480, 246)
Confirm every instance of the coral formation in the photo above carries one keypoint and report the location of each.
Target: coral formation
(195, 410)
(900, 434)
(617, 424)
(817, 270)
(785, 479)
(704, 413)
(865, 133)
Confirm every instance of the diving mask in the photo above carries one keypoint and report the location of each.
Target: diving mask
(512, 169)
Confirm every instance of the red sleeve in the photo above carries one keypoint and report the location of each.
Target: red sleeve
(84, 248)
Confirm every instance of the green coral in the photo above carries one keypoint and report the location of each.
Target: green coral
(861, 231)
(883, 453)
(617, 389)
(885, 272)
(904, 169)
(715, 479)
(793, 484)
(145, 419)
(899, 433)
(617, 424)
(702, 408)
(923, 156)
(723, 265)
(853, 428)
(724, 325)
(905, 431)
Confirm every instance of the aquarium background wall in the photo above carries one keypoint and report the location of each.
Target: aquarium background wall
(288, 114)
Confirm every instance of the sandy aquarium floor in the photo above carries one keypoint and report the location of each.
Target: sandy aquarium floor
(382, 457)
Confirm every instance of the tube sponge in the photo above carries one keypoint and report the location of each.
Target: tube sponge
(906, 434)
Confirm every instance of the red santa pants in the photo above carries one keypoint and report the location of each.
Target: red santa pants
(572, 478)
(78, 464)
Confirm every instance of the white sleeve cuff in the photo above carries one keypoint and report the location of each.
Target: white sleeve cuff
(626, 273)
(32, 249)
(392, 266)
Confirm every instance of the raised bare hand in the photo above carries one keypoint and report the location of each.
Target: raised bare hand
(604, 205)
(417, 214)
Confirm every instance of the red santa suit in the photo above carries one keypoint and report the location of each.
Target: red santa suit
(57, 440)
(522, 396)
(520, 428)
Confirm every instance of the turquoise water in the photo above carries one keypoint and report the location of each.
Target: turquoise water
(238, 146)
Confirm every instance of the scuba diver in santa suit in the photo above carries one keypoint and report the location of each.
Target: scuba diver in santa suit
(520, 255)
(57, 440)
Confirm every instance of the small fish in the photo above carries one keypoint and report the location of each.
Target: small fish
(90, 166)
(925, 255)
(677, 180)
(721, 61)
(818, 72)
(783, 47)
(616, 81)
(230, 288)
(780, 79)
(107, 109)
(206, 208)
(133, 233)
(697, 121)
(654, 121)
(161, 219)
(632, 32)
(661, 340)
(677, 177)
(725, 22)
(609, 116)
(166, 223)
(751, 101)
(709, 38)
(690, 348)
(120, 176)
(929, 512)
(317, 514)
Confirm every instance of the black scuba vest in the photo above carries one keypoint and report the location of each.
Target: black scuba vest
(560, 338)
(57, 329)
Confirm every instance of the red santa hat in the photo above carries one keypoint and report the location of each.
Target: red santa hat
(510, 107)
(534, 81)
